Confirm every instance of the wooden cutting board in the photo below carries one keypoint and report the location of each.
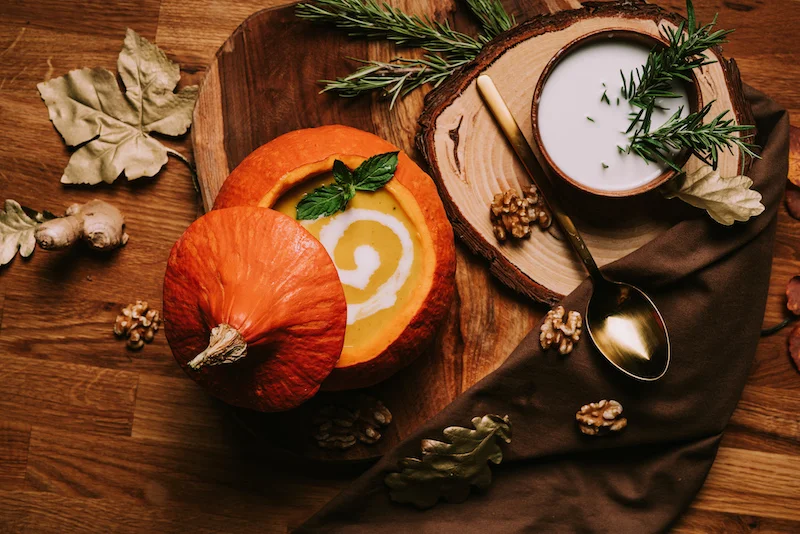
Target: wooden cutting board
(263, 84)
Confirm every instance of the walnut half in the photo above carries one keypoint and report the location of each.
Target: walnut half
(600, 418)
(138, 323)
(513, 215)
(556, 331)
(340, 426)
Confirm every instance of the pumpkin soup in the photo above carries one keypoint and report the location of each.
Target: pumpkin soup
(376, 250)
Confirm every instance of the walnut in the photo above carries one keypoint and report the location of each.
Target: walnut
(340, 426)
(556, 331)
(514, 216)
(138, 323)
(600, 418)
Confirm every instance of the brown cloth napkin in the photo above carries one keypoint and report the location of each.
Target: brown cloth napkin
(710, 283)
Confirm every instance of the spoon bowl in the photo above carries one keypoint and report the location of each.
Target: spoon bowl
(628, 330)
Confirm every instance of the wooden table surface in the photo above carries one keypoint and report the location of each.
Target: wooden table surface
(94, 438)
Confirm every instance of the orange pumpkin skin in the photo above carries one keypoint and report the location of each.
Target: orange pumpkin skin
(256, 181)
(262, 273)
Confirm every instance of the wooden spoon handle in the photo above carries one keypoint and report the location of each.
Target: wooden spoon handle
(532, 161)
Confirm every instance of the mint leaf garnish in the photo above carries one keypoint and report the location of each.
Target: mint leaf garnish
(371, 175)
(341, 173)
(325, 201)
(375, 172)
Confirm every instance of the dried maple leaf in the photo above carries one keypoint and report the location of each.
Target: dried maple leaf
(112, 129)
(794, 155)
(449, 470)
(794, 346)
(793, 295)
(725, 199)
(18, 229)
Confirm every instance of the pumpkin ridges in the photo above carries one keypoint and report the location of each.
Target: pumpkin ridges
(241, 259)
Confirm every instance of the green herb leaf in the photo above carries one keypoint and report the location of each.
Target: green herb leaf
(113, 130)
(17, 231)
(325, 201)
(725, 199)
(375, 172)
(371, 175)
(589, 119)
(448, 470)
(341, 173)
(604, 165)
(604, 98)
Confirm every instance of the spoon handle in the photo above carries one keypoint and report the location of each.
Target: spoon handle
(531, 161)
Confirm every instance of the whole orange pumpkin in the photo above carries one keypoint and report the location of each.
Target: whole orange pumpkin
(253, 308)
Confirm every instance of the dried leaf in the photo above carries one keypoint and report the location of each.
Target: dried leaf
(112, 129)
(794, 155)
(793, 295)
(794, 346)
(16, 232)
(793, 201)
(725, 199)
(449, 470)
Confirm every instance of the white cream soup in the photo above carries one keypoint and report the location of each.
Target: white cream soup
(581, 132)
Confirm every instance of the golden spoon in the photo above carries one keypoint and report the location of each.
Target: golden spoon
(623, 322)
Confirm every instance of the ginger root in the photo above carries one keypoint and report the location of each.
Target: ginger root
(98, 223)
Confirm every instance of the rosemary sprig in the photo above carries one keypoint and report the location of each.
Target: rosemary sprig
(704, 140)
(493, 18)
(447, 49)
(685, 51)
(396, 78)
(371, 20)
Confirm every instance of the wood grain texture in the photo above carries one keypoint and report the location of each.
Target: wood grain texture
(14, 441)
(171, 435)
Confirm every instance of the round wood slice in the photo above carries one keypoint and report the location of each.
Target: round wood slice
(471, 161)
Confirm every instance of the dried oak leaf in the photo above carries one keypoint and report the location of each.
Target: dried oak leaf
(449, 470)
(794, 346)
(18, 229)
(793, 295)
(16, 232)
(112, 129)
(725, 199)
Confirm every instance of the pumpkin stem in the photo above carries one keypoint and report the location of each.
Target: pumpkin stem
(226, 345)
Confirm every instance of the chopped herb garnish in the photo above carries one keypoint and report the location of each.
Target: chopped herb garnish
(604, 98)
(605, 166)
(589, 119)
